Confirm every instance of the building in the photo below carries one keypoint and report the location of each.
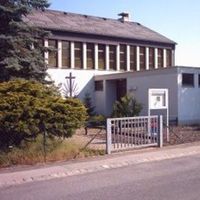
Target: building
(108, 57)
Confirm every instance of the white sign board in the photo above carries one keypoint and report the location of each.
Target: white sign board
(158, 98)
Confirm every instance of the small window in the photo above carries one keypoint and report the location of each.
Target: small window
(98, 85)
(199, 80)
(187, 80)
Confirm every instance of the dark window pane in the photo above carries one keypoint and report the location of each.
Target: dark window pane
(187, 80)
(90, 56)
(160, 58)
(101, 56)
(112, 57)
(123, 57)
(133, 58)
(98, 85)
(151, 58)
(65, 54)
(169, 57)
(142, 58)
(53, 54)
(78, 54)
(199, 80)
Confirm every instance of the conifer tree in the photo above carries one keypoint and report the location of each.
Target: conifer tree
(21, 54)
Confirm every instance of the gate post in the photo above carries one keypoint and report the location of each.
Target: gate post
(160, 138)
(108, 137)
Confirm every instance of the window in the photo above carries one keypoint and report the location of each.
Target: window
(101, 56)
(98, 85)
(65, 54)
(142, 58)
(133, 58)
(169, 57)
(187, 80)
(160, 58)
(53, 54)
(78, 53)
(199, 80)
(151, 58)
(90, 56)
(123, 57)
(112, 57)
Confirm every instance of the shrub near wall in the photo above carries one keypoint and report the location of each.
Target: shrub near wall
(29, 107)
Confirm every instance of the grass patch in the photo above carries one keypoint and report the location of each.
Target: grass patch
(56, 150)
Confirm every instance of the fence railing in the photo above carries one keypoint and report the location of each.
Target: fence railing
(132, 132)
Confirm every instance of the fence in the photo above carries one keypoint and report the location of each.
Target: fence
(132, 132)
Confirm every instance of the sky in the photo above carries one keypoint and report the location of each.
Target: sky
(179, 20)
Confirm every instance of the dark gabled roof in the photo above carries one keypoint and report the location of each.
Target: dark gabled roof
(70, 22)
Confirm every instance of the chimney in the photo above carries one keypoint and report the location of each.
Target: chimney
(124, 17)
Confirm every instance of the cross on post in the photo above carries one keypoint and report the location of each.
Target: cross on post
(70, 78)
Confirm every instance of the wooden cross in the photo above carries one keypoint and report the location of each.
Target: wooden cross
(70, 77)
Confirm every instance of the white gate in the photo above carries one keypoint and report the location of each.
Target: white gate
(132, 132)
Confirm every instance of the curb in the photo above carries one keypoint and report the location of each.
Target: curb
(18, 178)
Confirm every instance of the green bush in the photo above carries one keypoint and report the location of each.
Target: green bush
(27, 108)
(126, 107)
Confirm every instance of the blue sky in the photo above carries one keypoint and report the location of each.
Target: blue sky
(178, 20)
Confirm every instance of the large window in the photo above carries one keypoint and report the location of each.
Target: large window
(53, 53)
(123, 57)
(101, 56)
(169, 57)
(112, 57)
(90, 56)
(142, 58)
(65, 54)
(160, 58)
(187, 80)
(78, 53)
(151, 58)
(133, 58)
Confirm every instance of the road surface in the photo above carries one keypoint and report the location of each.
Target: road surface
(173, 179)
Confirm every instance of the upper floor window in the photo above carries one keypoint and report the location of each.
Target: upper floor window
(53, 53)
(90, 56)
(78, 54)
(123, 57)
(142, 58)
(160, 58)
(187, 80)
(112, 57)
(133, 58)
(169, 57)
(65, 54)
(101, 56)
(151, 58)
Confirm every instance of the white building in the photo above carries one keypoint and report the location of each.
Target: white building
(183, 84)
(109, 57)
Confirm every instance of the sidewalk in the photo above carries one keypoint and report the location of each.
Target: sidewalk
(16, 177)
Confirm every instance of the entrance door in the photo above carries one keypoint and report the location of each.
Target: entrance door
(121, 88)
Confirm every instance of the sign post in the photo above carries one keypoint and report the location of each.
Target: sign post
(158, 100)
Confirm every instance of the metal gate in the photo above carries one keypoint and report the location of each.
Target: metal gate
(133, 132)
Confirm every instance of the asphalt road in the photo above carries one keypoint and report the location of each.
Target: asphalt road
(175, 179)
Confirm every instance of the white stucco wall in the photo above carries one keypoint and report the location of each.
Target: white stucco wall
(84, 80)
(189, 98)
